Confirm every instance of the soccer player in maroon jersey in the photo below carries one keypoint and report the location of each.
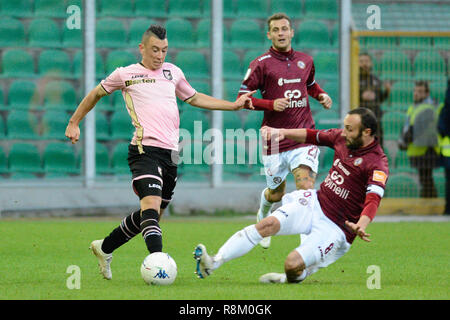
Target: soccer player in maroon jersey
(330, 217)
(285, 78)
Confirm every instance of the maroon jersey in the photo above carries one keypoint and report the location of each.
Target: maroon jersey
(354, 174)
(283, 75)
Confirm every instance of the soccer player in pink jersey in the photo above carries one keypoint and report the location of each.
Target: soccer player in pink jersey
(330, 217)
(150, 89)
(285, 78)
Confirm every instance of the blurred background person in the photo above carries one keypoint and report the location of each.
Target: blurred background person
(444, 143)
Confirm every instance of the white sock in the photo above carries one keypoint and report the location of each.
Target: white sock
(264, 205)
(237, 245)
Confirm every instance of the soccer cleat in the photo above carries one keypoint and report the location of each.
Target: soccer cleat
(273, 278)
(104, 259)
(265, 242)
(204, 262)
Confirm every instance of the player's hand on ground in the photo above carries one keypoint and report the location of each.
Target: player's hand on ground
(280, 104)
(73, 132)
(358, 230)
(269, 134)
(244, 101)
(325, 100)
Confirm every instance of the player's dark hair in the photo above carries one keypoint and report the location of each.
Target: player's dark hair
(423, 83)
(366, 54)
(278, 16)
(157, 31)
(368, 119)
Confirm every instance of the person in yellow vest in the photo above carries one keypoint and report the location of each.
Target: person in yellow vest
(444, 143)
(419, 138)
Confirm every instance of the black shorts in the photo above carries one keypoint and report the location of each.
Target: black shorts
(153, 172)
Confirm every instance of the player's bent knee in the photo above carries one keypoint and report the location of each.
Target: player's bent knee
(150, 202)
(268, 226)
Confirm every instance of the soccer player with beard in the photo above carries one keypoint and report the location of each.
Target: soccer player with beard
(285, 78)
(332, 216)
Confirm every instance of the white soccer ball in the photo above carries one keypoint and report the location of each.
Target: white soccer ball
(159, 268)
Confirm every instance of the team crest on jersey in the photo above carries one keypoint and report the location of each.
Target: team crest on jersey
(277, 180)
(303, 201)
(167, 74)
(358, 161)
(301, 64)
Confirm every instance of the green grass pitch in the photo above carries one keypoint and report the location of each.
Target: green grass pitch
(35, 254)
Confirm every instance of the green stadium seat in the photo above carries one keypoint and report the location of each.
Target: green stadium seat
(17, 8)
(117, 101)
(415, 43)
(291, 7)
(231, 120)
(203, 33)
(429, 65)
(395, 65)
(2, 128)
(245, 33)
(235, 158)
(59, 157)
(22, 125)
(252, 9)
(392, 123)
(119, 158)
(3, 159)
(193, 63)
(50, 8)
(151, 8)
(12, 33)
(78, 65)
(201, 86)
(54, 63)
(379, 42)
(102, 161)
(194, 120)
(185, 8)
(401, 95)
(326, 158)
(327, 119)
(230, 90)
(72, 38)
(249, 56)
(111, 33)
(17, 63)
(54, 123)
(312, 34)
(322, 9)
(118, 58)
(442, 43)
(137, 29)
(121, 126)
(115, 8)
(60, 95)
(102, 129)
(45, 33)
(438, 177)
(229, 10)
(402, 186)
(254, 120)
(232, 68)
(23, 94)
(24, 158)
(327, 65)
(2, 104)
(437, 90)
(180, 33)
(335, 36)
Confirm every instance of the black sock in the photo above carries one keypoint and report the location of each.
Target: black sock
(151, 232)
(128, 228)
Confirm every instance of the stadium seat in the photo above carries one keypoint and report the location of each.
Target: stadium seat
(72, 38)
(392, 123)
(415, 43)
(401, 186)
(327, 65)
(50, 8)
(54, 63)
(231, 89)
(102, 161)
(322, 9)
(326, 158)
(249, 56)
(3, 159)
(12, 33)
(235, 158)
(327, 119)
(254, 120)
(121, 126)
(2, 104)
(2, 128)
(402, 164)
(232, 68)
(115, 8)
(335, 36)
(292, 7)
(119, 161)
(59, 157)
(229, 10)
(102, 129)
(137, 29)
(395, 65)
(111, 33)
(78, 65)
(180, 33)
(203, 33)
(231, 120)
(429, 65)
(118, 58)
(150, 8)
(194, 120)
(54, 123)
(23, 94)
(17, 8)
(117, 101)
(312, 34)
(201, 86)
(24, 157)
(252, 9)
(401, 95)
(60, 95)
(17, 63)
(185, 8)
(45, 33)
(379, 42)
(438, 177)
(22, 125)
(245, 33)
(193, 63)
(437, 90)
(442, 43)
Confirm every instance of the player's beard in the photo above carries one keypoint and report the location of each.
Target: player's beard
(355, 143)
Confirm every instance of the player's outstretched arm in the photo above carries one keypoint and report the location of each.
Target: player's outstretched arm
(278, 134)
(204, 101)
(325, 100)
(359, 228)
(86, 105)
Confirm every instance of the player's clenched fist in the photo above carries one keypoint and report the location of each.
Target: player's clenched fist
(73, 132)
(269, 134)
(325, 100)
(280, 104)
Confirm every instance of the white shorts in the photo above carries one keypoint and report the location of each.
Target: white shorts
(277, 166)
(325, 242)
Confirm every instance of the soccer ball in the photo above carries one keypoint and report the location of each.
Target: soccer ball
(159, 268)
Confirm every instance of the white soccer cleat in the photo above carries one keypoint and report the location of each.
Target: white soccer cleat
(104, 259)
(273, 277)
(265, 242)
(204, 262)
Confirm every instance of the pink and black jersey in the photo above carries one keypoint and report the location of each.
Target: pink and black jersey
(284, 75)
(150, 98)
(354, 174)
